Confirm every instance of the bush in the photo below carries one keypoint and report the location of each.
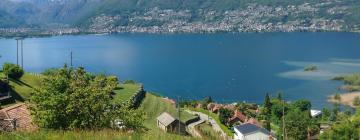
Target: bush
(3, 86)
(356, 101)
(13, 71)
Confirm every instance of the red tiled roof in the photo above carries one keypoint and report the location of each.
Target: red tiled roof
(22, 115)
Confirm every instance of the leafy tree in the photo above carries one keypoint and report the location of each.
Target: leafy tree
(297, 124)
(356, 101)
(4, 87)
(346, 129)
(303, 105)
(225, 115)
(75, 99)
(337, 97)
(267, 104)
(13, 71)
(325, 114)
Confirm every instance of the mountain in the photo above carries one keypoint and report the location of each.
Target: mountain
(183, 15)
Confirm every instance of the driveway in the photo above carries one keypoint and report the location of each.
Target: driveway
(214, 124)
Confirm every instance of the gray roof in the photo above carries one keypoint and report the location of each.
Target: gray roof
(249, 128)
(166, 119)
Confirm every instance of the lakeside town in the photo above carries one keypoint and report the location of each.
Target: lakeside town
(306, 17)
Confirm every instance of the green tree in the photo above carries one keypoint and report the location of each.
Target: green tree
(325, 114)
(297, 124)
(13, 71)
(337, 97)
(347, 129)
(303, 105)
(75, 99)
(356, 101)
(267, 104)
(225, 115)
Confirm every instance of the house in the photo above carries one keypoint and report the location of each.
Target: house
(16, 117)
(249, 131)
(213, 107)
(315, 113)
(168, 123)
(237, 117)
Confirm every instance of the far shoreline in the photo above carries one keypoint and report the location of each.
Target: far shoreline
(346, 98)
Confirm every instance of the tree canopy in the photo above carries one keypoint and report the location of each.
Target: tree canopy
(13, 71)
(76, 99)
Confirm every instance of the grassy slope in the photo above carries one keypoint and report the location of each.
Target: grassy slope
(125, 91)
(22, 88)
(153, 106)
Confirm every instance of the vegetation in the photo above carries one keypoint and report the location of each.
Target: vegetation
(75, 99)
(124, 91)
(356, 101)
(351, 81)
(225, 115)
(311, 68)
(216, 118)
(153, 106)
(347, 128)
(13, 71)
(207, 132)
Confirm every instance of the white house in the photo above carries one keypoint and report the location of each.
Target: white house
(315, 113)
(249, 131)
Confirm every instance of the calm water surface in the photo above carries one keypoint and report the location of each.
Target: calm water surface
(228, 67)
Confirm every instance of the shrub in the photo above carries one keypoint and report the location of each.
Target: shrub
(13, 71)
(3, 86)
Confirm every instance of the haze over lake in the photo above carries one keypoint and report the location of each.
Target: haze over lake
(227, 67)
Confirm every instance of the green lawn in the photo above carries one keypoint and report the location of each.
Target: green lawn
(125, 91)
(216, 117)
(153, 106)
(22, 88)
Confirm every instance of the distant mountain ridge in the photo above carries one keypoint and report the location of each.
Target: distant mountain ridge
(98, 16)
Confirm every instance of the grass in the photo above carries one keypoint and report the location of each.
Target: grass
(125, 91)
(216, 117)
(153, 106)
(207, 132)
(22, 88)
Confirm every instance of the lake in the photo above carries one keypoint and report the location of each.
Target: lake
(227, 67)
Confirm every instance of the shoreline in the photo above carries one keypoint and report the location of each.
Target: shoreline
(346, 98)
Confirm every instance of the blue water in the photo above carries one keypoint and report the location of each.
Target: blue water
(228, 67)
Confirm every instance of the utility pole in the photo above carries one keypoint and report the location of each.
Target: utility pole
(71, 59)
(22, 54)
(283, 120)
(17, 51)
(178, 105)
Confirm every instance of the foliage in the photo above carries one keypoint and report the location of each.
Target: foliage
(206, 101)
(225, 115)
(13, 71)
(356, 101)
(297, 124)
(337, 97)
(267, 104)
(75, 99)
(4, 87)
(310, 68)
(347, 129)
(352, 81)
(303, 105)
